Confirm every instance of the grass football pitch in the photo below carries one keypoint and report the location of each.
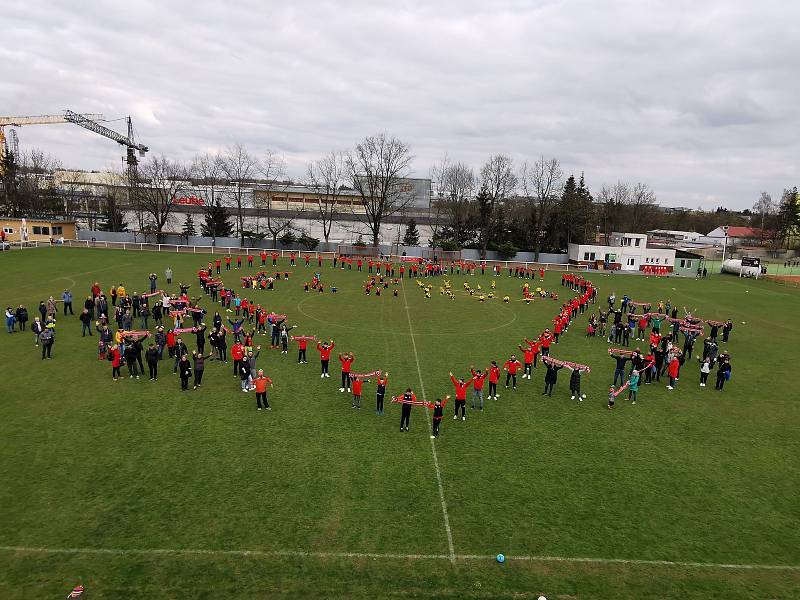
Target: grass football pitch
(136, 489)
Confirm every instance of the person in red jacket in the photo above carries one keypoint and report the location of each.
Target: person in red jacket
(228, 262)
(494, 377)
(302, 345)
(510, 367)
(116, 362)
(171, 343)
(218, 264)
(263, 258)
(260, 383)
(534, 345)
(557, 327)
(237, 354)
(477, 386)
(358, 382)
(528, 355)
(347, 362)
(461, 395)
(673, 370)
(546, 339)
(275, 256)
(325, 356)
(249, 260)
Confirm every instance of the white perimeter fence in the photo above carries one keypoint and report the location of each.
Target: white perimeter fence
(299, 254)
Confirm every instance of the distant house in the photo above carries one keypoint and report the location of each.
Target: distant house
(625, 252)
(737, 236)
(37, 230)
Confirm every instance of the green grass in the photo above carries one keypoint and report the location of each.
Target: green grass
(688, 476)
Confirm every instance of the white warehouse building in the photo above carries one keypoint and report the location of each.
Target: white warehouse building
(625, 252)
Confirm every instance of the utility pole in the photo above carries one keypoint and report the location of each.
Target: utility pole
(724, 246)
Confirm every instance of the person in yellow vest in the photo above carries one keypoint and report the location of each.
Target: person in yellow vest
(121, 293)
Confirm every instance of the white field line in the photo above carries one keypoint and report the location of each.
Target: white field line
(433, 444)
(387, 556)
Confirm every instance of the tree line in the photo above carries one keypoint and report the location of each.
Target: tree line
(502, 206)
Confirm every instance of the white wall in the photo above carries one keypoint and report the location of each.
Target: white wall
(341, 231)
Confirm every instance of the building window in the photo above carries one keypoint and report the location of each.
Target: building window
(37, 230)
(588, 255)
(8, 229)
(638, 240)
(631, 261)
(58, 230)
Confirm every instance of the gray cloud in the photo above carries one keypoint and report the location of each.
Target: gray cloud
(696, 98)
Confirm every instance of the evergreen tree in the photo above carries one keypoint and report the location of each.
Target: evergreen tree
(585, 230)
(789, 215)
(189, 229)
(113, 217)
(10, 200)
(216, 222)
(411, 238)
(484, 203)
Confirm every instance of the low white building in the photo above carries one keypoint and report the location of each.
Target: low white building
(625, 252)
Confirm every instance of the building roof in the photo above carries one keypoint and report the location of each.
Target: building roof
(680, 253)
(745, 232)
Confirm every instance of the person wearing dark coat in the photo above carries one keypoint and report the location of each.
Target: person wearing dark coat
(22, 317)
(550, 378)
(86, 319)
(185, 370)
(152, 356)
(575, 384)
(200, 332)
(244, 375)
(199, 366)
(130, 359)
(180, 351)
(723, 373)
(726, 330)
(89, 306)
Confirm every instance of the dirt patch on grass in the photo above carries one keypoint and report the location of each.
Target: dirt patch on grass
(793, 280)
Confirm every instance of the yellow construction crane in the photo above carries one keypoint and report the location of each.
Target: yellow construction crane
(33, 120)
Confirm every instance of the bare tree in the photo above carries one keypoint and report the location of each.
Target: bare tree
(272, 171)
(375, 168)
(498, 180)
(612, 201)
(454, 188)
(207, 171)
(36, 193)
(642, 205)
(240, 168)
(160, 181)
(115, 193)
(327, 175)
(541, 186)
(764, 208)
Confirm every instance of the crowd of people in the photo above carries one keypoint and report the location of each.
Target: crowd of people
(147, 324)
(662, 331)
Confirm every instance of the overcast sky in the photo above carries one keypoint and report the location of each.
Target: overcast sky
(698, 99)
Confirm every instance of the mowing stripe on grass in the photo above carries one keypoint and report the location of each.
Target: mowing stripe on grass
(433, 444)
(388, 556)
